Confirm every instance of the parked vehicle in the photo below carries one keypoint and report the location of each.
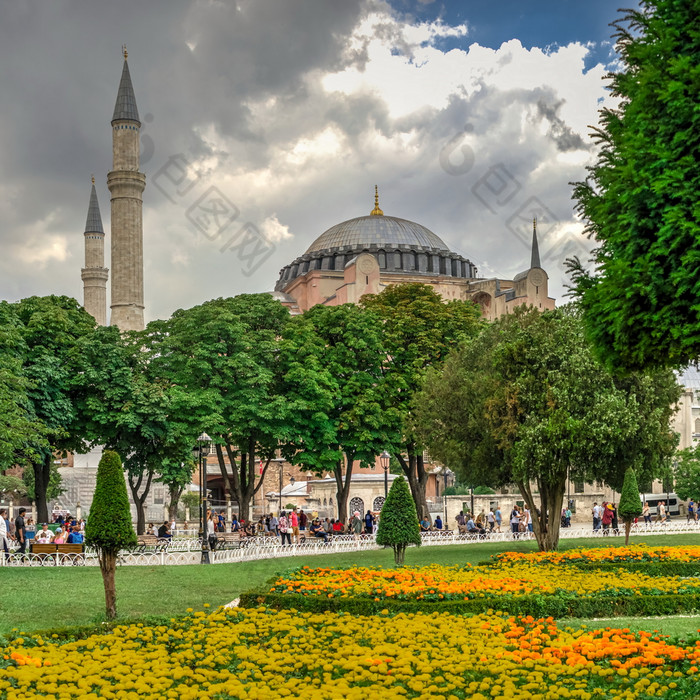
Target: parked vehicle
(670, 499)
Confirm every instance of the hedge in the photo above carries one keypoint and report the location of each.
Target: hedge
(536, 605)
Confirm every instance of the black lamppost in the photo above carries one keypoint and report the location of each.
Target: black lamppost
(385, 461)
(201, 451)
(281, 462)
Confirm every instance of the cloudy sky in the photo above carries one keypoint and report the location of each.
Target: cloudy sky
(265, 122)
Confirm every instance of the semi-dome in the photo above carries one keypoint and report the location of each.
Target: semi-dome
(401, 247)
(377, 231)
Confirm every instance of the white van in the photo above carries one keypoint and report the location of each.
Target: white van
(670, 499)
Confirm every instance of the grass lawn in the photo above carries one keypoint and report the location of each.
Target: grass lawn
(47, 597)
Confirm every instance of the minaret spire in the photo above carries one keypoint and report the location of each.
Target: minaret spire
(126, 185)
(95, 274)
(376, 211)
(535, 259)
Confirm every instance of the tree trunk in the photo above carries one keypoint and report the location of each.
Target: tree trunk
(174, 493)
(108, 565)
(545, 525)
(42, 474)
(399, 554)
(417, 477)
(342, 482)
(140, 500)
(628, 527)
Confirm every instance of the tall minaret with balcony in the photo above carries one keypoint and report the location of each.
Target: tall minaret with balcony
(126, 185)
(94, 274)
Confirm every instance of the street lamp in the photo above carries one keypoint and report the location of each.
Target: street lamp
(201, 451)
(385, 460)
(281, 462)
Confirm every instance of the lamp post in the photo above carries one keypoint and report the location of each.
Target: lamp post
(385, 461)
(202, 450)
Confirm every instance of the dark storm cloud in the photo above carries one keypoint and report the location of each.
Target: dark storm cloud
(560, 132)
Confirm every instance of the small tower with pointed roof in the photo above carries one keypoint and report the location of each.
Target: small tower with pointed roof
(126, 185)
(95, 274)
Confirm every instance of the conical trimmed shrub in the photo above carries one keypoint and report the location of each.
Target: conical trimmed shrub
(398, 522)
(109, 528)
(630, 506)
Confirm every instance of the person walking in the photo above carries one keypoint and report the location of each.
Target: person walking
(283, 526)
(21, 531)
(499, 519)
(294, 523)
(491, 520)
(515, 521)
(303, 522)
(607, 517)
(4, 534)
(661, 513)
(597, 515)
(356, 526)
(646, 513)
(369, 521)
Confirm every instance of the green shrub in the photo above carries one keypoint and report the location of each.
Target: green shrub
(398, 523)
(630, 506)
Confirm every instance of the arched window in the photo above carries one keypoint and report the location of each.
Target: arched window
(697, 425)
(325, 502)
(378, 503)
(356, 504)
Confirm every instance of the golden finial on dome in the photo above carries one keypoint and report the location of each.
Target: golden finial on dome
(124, 51)
(92, 177)
(376, 211)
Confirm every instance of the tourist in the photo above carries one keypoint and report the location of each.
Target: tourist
(274, 524)
(294, 522)
(222, 521)
(317, 531)
(369, 522)
(438, 523)
(164, 531)
(661, 513)
(528, 519)
(646, 513)
(499, 519)
(474, 529)
(75, 537)
(211, 530)
(303, 521)
(491, 520)
(150, 530)
(596, 516)
(4, 533)
(337, 527)
(327, 526)
(614, 522)
(567, 517)
(235, 525)
(283, 526)
(691, 510)
(515, 521)
(481, 520)
(21, 531)
(60, 536)
(44, 536)
(425, 524)
(356, 525)
(607, 517)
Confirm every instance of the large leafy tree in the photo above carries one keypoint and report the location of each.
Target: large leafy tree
(333, 359)
(640, 201)
(686, 473)
(528, 403)
(128, 408)
(223, 358)
(50, 330)
(419, 330)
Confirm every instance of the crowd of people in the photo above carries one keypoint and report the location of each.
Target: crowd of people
(22, 533)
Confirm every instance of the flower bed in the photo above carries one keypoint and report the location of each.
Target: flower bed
(539, 589)
(604, 555)
(266, 654)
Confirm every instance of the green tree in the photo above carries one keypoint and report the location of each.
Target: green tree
(640, 201)
(686, 473)
(109, 527)
(50, 329)
(222, 357)
(333, 361)
(630, 506)
(398, 524)
(419, 330)
(12, 487)
(54, 487)
(528, 403)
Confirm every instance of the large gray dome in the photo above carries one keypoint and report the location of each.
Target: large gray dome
(400, 247)
(377, 231)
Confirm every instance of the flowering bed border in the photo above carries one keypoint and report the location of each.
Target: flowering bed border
(649, 568)
(556, 606)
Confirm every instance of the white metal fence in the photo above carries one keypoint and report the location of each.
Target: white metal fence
(188, 550)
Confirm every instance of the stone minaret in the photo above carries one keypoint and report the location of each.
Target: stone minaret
(126, 185)
(95, 274)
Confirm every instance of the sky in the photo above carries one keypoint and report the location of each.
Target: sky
(265, 122)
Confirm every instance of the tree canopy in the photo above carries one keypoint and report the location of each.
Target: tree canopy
(398, 524)
(640, 201)
(418, 331)
(527, 403)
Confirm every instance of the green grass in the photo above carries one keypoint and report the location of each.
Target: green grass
(680, 627)
(50, 597)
